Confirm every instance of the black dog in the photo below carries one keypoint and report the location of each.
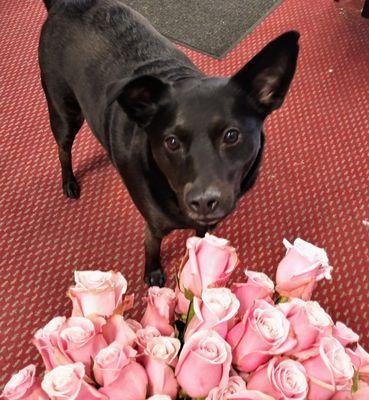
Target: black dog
(187, 146)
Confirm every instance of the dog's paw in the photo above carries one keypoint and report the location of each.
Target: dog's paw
(155, 278)
(71, 189)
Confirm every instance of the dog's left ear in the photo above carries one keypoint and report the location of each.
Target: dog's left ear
(266, 78)
(140, 97)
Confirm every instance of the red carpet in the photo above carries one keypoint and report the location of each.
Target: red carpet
(313, 184)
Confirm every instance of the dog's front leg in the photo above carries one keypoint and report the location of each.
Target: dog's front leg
(154, 274)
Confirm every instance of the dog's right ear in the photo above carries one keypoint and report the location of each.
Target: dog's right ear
(140, 98)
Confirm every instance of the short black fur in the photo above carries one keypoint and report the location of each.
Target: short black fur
(187, 146)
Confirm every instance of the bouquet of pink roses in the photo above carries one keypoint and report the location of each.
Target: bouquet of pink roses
(251, 341)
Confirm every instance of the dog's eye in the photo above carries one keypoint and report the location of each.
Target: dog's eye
(231, 136)
(172, 143)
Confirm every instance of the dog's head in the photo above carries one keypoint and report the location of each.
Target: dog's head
(205, 135)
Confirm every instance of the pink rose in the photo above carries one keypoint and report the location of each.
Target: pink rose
(215, 310)
(24, 385)
(183, 304)
(118, 330)
(204, 363)
(159, 313)
(133, 324)
(97, 292)
(66, 383)
(263, 332)
(301, 268)
(360, 360)
(210, 263)
(258, 286)
(329, 371)
(109, 362)
(160, 354)
(46, 342)
(159, 397)
(235, 385)
(362, 393)
(309, 322)
(281, 379)
(131, 384)
(80, 339)
(250, 395)
(144, 335)
(344, 334)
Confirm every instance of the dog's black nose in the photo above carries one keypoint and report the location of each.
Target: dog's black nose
(203, 203)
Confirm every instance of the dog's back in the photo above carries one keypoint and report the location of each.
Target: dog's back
(86, 44)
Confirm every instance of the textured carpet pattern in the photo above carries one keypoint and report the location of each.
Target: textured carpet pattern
(313, 183)
(210, 26)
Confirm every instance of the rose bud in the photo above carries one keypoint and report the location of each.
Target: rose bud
(204, 363)
(258, 286)
(159, 313)
(97, 292)
(302, 267)
(66, 382)
(24, 385)
(281, 379)
(210, 262)
(263, 332)
(215, 310)
(329, 371)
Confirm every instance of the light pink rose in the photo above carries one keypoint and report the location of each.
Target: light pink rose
(160, 355)
(144, 335)
(235, 385)
(204, 363)
(210, 263)
(215, 310)
(329, 371)
(46, 342)
(24, 385)
(80, 339)
(258, 286)
(66, 382)
(309, 322)
(344, 334)
(133, 324)
(159, 397)
(131, 384)
(183, 304)
(159, 313)
(301, 268)
(250, 395)
(109, 362)
(97, 292)
(118, 330)
(281, 378)
(362, 393)
(360, 360)
(263, 332)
